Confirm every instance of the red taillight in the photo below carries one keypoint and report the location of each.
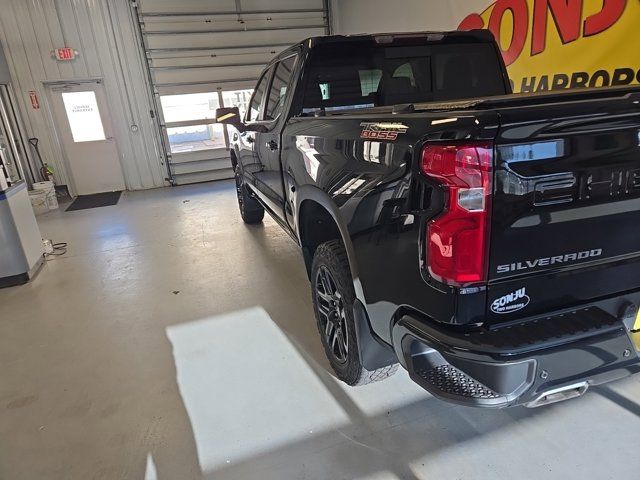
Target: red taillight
(457, 240)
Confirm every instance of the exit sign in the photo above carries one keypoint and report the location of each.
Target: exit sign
(64, 54)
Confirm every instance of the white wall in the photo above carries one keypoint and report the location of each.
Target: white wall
(374, 16)
(103, 33)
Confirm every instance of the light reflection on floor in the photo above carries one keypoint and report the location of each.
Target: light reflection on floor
(249, 390)
(245, 387)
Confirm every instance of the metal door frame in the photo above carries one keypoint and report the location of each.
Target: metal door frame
(49, 89)
(154, 97)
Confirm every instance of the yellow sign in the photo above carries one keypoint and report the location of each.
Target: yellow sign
(557, 44)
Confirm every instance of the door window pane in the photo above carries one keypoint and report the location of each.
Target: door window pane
(256, 101)
(196, 137)
(84, 116)
(279, 86)
(189, 106)
(405, 71)
(187, 117)
(369, 81)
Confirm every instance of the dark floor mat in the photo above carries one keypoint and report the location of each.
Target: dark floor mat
(94, 201)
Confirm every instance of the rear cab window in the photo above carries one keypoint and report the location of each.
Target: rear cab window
(366, 74)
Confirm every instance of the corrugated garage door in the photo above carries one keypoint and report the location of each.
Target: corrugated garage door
(203, 54)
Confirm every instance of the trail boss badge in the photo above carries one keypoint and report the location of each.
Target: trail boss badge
(382, 131)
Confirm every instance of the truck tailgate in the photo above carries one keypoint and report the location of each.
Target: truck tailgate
(566, 206)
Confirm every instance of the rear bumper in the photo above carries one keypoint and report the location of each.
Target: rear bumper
(542, 361)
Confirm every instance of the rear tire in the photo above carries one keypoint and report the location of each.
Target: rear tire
(250, 209)
(333, 298)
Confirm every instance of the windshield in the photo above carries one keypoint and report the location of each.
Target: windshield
(364, 75)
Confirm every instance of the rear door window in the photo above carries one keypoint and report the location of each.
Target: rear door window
(255, 107)
(279, 87)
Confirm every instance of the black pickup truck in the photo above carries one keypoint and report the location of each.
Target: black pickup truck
(486, 241)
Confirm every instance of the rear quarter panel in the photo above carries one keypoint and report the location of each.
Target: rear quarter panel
(382, 201)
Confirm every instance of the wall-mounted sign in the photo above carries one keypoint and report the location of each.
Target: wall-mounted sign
(35, 103)
(557, 44)
(64, 54)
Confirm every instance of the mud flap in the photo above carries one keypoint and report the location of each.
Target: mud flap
(374, 354)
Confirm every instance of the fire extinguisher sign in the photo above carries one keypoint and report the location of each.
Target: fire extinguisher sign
(35, 103)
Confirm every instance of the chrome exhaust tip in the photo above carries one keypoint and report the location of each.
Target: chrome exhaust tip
(559, 394)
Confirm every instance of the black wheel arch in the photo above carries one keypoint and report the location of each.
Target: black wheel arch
(318, 220)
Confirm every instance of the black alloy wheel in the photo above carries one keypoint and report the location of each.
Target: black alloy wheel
(333, 299)
(250, 209)
(332, 313)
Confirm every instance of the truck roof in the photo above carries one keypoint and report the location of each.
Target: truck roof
(467, 36)
(431, 36)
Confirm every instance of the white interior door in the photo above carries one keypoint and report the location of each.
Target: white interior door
(84, 125)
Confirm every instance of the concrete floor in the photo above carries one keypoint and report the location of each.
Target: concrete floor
(173, 342)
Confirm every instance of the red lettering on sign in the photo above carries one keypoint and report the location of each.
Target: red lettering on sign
(520, 13)
(65, 53)
(472, 22)
(567, 15)
(611, 12)
(33, 96)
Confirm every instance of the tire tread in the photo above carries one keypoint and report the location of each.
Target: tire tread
(333, 254)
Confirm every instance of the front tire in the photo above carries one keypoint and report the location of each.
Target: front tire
(250, 209)
(333, 299)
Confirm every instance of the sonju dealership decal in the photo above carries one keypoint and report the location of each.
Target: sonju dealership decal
(557, 44)
(511, 303)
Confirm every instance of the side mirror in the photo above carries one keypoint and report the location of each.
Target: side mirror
(230, 116)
